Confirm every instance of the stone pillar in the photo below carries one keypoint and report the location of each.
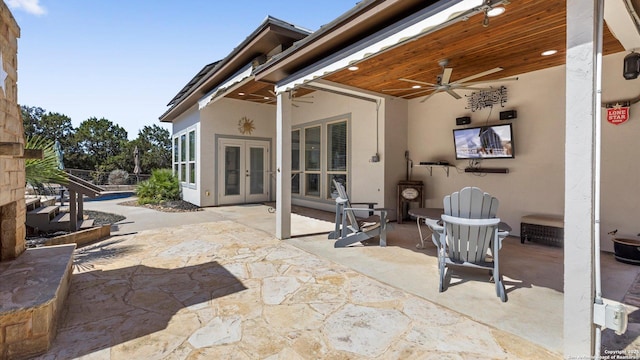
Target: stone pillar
(12, 177)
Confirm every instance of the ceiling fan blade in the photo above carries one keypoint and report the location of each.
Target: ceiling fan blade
(273, 93)
(488, 81)
(478, 75)
(416, 93)
(428, 96)
(417, 82)
(446, 76)
(262, 96)
(303, 101)
(471, 88)
(399, 89)
(454, 94)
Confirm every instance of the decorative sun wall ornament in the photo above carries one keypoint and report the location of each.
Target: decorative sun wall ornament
(479, 100)
(245, 125)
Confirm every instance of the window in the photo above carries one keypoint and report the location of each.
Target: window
(324, 158)
(192, 157)
(312, 170)
(184, 157)
(176, 156)
(336, 155)
(295, 162)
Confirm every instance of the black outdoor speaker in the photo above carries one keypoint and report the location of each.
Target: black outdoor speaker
(463, 120)
(631, 66)
(508, 115)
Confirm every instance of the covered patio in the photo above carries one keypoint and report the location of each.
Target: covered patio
(396, 75)
(461, 37)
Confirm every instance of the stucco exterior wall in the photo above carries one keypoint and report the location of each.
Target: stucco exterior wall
(396, 123)
(535, 182)
(220, 119)
(12, 177)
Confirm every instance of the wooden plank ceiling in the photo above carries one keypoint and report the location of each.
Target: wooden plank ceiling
(513, 41)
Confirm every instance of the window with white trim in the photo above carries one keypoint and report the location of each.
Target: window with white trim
(184, 157)
(319, 153)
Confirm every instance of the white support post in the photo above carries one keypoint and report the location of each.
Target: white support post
(283, 166)
(580, 177)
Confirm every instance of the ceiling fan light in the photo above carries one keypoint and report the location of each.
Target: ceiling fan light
(549, 52)
(496, 11)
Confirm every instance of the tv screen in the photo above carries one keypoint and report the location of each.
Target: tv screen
(484, 142)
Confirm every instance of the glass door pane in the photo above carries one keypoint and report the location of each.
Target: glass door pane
(256, 170)
(232, 170)
(312, 148)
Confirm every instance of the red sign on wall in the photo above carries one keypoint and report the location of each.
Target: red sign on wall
(617, 115)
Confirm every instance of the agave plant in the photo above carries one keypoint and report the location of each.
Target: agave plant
(45, 170)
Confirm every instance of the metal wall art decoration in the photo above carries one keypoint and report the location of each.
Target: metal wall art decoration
(245, 126)
(479, 100)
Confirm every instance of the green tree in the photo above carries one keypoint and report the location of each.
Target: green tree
(31, 116)
(52, 126)
(154, 144)
(97, 141)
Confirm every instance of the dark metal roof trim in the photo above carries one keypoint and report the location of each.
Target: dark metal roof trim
(208, 71)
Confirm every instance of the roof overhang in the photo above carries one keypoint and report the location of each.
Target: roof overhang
(367, 17)
(419, 24)
(240, 78)
(413, 46)
(268, 36)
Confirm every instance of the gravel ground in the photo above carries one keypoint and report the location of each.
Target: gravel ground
(166, 206)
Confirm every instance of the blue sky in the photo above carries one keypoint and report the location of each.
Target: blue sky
(124, 60)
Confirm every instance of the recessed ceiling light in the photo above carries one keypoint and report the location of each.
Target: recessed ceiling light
(495, 11)
(353, 68)
(241, 94)
(266, 98)
(416, 87)
(549, 52)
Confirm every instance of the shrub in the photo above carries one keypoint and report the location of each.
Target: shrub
(118, 177)
(161, 186)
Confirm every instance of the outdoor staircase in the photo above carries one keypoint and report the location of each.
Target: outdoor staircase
(43, 215)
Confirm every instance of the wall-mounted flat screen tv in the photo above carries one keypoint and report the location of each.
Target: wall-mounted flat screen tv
(484, 142)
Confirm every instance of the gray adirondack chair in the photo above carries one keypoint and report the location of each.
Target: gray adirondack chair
(350, 229)
(468, 231)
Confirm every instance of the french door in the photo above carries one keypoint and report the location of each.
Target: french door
(243, 171)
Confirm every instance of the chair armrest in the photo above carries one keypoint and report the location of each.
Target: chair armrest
(434, 224)
(501, 236)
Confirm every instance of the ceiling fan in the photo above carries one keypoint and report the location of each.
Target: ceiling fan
(272, 98)
(443, 83)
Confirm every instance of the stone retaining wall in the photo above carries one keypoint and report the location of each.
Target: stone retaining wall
(82, 237)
